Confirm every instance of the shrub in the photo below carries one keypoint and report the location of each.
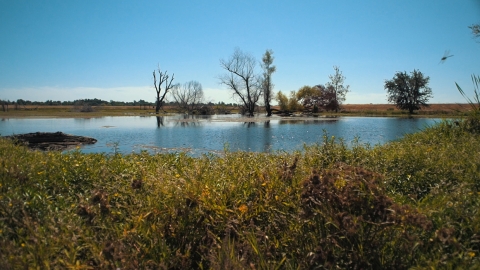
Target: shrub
(359, 226)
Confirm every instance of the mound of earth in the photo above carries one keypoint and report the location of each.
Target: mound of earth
(48, 141)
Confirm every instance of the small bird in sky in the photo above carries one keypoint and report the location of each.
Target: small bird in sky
(445, 56)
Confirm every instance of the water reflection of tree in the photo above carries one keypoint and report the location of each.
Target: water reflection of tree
(82, 120)
(267, 140)
(266, 143)
(306, 122)
(187, 123)
(188, 120)
(159, 121)
(249, 124)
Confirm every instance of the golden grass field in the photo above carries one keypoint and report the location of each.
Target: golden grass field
(452, 107)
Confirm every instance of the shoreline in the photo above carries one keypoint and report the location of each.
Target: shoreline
(360, 110)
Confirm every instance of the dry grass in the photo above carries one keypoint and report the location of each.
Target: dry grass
(347, 109)
(66, 111)
(449, 108)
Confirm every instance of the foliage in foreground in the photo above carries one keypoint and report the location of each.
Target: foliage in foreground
(411, 203)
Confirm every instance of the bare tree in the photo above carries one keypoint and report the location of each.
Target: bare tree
(242, 80)
(267, 84)
(188, 96)
(336, 81)
(163, 78)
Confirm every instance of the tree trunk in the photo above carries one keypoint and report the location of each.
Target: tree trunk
(157, 108)
(251, 109)
(268, 109)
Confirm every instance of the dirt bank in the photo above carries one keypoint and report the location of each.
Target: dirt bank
(48, 141)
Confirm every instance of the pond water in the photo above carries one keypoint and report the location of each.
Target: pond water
(198, 135)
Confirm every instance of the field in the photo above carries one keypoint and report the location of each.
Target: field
(385, 108)
(434, 110)
(409, 204)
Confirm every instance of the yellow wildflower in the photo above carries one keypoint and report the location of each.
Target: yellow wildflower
(205, 193)
(243, 208)
(471, 254)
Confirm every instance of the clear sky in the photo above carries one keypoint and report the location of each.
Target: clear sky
(72, 49)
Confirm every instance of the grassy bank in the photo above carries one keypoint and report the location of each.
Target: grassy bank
(434, 110)
(412, 203)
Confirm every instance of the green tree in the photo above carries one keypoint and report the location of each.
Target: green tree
(310, 98)
(317, 98)
(267, 84)
(282, 101)
(337, 81)
(293, 104)
(409, 92)
(288, 104)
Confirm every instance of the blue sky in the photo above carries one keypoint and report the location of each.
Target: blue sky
(72, 49)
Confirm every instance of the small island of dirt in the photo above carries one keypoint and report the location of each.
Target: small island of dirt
(48, 141)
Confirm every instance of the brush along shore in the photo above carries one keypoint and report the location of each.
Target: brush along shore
(408, 204)
(32, 111)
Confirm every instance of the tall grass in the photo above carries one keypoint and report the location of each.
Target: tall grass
(472, 122)
(412, 203)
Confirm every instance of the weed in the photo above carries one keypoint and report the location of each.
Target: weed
(411, 203)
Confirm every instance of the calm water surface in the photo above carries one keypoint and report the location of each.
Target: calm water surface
(215, 133)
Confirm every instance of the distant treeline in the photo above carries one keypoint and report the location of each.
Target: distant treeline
(95, 102)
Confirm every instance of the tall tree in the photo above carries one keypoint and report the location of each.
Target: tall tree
(188, 96)
(163, 79)
(267, 85)
(241, 79)
(409, 92)
(282, 101)
(337, 81)
(293, 104)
